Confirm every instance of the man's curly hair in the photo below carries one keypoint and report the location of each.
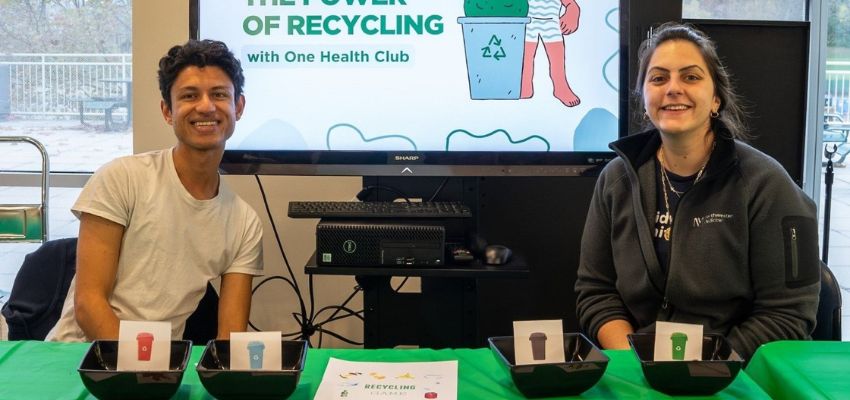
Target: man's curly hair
(198, 53)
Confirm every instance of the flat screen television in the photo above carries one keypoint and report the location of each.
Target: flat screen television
(421, 87)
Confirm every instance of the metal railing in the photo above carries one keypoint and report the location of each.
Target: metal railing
(53, 84)
(837, 99)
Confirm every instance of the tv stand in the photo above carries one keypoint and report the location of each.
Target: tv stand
(443, 314)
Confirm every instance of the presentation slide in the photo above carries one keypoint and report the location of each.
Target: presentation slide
(423, 75)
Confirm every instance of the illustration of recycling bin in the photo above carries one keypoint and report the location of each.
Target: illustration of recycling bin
(679, 340)
(538, 345)
(494, 52)
(144, 341)
(255, 353)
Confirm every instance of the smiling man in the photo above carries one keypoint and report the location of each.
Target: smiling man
(156, 227)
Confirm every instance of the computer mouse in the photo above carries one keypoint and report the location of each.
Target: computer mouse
(496, 254)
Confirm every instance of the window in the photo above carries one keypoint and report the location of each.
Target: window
(66, 81)
(772, 10)
(835, 133)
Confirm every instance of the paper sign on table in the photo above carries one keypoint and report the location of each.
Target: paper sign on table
(144, 346)
(538, 342)
(677, 342)
(351, 380)
(255, 350)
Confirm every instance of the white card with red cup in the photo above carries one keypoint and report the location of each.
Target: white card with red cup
(144, 346)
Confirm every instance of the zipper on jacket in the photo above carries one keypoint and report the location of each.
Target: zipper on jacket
(794, 267)
(664, 304)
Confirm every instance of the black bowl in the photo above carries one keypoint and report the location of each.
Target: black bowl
(224, 383)
(584, 366)
(719, 366)
(99, 375)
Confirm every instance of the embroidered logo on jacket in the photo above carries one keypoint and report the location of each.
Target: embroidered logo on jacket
(713, 218)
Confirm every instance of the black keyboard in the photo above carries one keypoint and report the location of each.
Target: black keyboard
(377, 209)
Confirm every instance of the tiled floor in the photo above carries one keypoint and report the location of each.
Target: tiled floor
(75, 148)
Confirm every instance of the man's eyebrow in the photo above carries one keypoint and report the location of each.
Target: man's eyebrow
(185, 88)
(195, 88)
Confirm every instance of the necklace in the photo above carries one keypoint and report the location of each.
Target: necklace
(665, 180)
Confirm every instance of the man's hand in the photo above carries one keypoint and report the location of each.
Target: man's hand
(234, 304)
(569, 21)
(98, 249)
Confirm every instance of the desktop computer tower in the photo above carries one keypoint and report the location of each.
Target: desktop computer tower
(380, 243)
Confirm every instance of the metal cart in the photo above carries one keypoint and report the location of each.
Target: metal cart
(26, 223)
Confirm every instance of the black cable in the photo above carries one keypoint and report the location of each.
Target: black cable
(350, 313)
(307, 325)
(401, 284)
(366, 191)
(357, 288)
(254, 291)
(340, 337)
(333, 317)
(312, 298)
(439, 188)
(294, 282)
(289, 335)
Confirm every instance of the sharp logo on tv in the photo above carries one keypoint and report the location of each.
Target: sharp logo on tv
(406, 158)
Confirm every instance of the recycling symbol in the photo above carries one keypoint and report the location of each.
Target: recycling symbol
(497, 52)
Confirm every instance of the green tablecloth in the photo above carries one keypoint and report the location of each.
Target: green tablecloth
(803, 370)
(39, 370)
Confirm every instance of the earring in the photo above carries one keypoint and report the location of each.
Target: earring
(714, 114)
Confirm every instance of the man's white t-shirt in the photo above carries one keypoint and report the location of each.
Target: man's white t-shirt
(173, 243)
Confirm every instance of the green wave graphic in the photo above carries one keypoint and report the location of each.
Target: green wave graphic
(365, 140)
(605, 64)
(508, 135)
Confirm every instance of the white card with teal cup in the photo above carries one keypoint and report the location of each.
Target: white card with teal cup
(255, 351)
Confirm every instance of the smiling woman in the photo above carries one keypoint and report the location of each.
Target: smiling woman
(679, 99)
(754, 268)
